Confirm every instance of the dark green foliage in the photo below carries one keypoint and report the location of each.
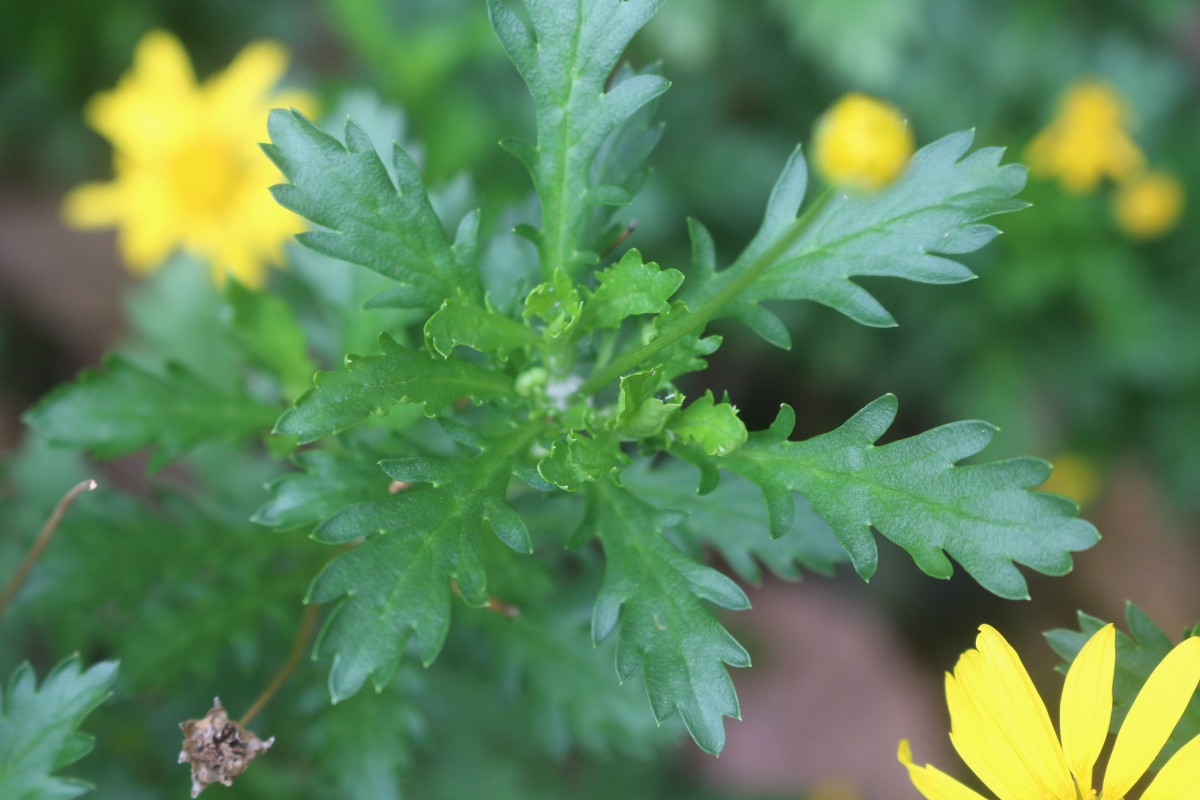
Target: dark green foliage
(123, 408)
(555, 396)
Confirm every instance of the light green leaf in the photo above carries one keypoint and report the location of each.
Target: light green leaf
(566, 61)
(267, 328)
(914, 492)
(373, 384)
(680, 354)
(715, 427)
(640, 414)
(396, 585)
(1138, 653)
(581, 458)
(628, 288)
(905, 231)
(38, 733)
(388, 227)
(656, 593)
(557, 303)
(121, 408)
(459, 322)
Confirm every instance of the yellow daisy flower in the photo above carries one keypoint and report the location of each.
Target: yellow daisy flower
(188, 169)
(1001, 729)
(1087, 141)
(862, 144)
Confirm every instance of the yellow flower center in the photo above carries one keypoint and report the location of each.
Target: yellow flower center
(206, 176)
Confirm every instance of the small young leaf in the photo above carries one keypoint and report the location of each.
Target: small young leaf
(913, 492)
(628, 288)
(684, 353)
(122, 408)
(459, 322)
(388, 227)
(396, 585)
(640, 414)
(38, 733)
(370, 384)
(557, 303)
(665, 628)
(580, 459)
(715, 427)
(1137, 656)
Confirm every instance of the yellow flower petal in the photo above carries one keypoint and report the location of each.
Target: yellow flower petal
(1022, 743)
(93, 205)
(932, 782)
(981, 743)
(1153, 716)
(1086, 707)
(153, 102)
(1180, 776)
(247, 81)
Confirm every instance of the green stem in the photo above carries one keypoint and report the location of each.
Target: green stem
(710, 308)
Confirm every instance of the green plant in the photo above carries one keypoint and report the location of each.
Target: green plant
(518, 440)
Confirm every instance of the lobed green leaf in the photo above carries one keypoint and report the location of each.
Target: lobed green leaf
(628, 288)
(566, 61)
(905, 231)
(388, 227)
(329, 483)
(122, 408)
(373, 384)
(38, 728)
(665, 629)
(914, 492)
(420, 544)
(732, 521)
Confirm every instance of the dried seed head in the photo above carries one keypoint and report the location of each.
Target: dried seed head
(218, 749)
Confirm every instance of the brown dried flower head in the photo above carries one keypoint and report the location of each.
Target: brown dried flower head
(218, 749)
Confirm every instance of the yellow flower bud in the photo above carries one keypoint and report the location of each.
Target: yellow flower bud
(1149, 205)
(862, 143)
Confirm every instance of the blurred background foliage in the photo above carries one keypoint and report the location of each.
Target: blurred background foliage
(1081, 343)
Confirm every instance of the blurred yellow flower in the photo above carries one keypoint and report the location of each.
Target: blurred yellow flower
(1001, 729)
(1074, 476)
(861, 143)
(1087, 141)
(188, 169)
(1148, 205)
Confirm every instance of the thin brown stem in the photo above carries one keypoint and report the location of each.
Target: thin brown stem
(302, 636)
(39, 544)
